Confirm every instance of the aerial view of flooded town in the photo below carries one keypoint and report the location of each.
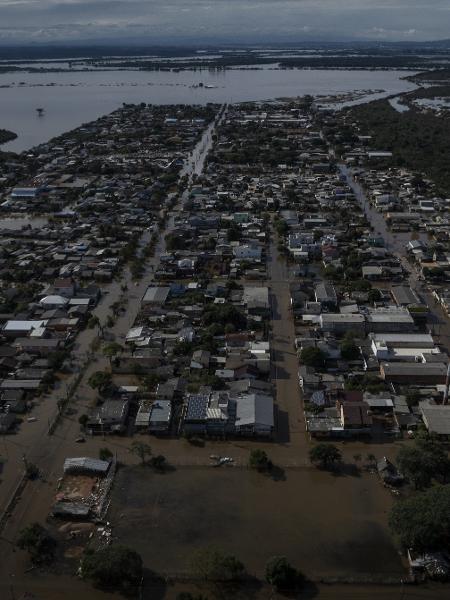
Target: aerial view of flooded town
(225, 321)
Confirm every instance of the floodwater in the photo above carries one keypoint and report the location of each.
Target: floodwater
(395, 242)
(399, 107)
(70, 99)
(167, 517)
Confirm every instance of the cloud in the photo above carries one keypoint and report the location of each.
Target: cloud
(171, 20)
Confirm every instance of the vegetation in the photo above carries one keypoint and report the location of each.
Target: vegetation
(424, 462)
(325, 455)
(222, 315)
(141, 450)
(83, 420)
(422, 521)
(281, 574)
(212, 564)
(105, 454)
(38, 542)
(259, 460)
(31, 470)
(101, 381)
(116, 567)
(111, 350)
(313, 357)
(7, 136)
(418, 140)
(349, 350)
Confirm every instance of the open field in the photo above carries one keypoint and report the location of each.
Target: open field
(302, 514)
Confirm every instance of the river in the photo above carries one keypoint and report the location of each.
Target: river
(70, 99)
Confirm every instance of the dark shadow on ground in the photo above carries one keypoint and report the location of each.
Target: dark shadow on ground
(345, 470)
(282, 427)
(277, 473)
(154, 586)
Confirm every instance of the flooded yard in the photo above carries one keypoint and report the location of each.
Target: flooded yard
(327, 526)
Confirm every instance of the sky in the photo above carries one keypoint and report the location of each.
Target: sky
(200, 21)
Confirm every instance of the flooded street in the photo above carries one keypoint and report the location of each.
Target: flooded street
(395, 242)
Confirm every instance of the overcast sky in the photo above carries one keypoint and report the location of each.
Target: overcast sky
(173, 21)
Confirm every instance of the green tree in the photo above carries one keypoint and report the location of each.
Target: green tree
(93, 322)
(111, 350)
(281, 574)
(325, 455)
(313, 357)
(83, 420)
(349, 350)
(213, 564)
(101, 381)
(259, 460)
(141, 450)
(424, 462)
(222, 314)
(38, 542)
(31, 470)
(374, 295)
(116, 567)
(105, 454)
(422, 521)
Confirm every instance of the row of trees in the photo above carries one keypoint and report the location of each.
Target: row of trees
(121, 568)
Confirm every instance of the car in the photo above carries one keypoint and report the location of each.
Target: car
(80, 440)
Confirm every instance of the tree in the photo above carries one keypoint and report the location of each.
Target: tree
(93, 322)
(313, 357)
(259, 460)
(422, 521)
(105, 454)
(83, 420)
(374, 295)
(116, 567)
(111, 350)
(212, 564)
(38, 542)
(281, 574)
(141, 450)
(31, 470)
(423, 462)
(325, 455)
(222, 314)
(349, 350)
(100, 380)
(371, 459)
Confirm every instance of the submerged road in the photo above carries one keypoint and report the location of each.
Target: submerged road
(290, 425)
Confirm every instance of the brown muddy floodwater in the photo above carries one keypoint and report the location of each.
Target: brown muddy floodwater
(327, 526)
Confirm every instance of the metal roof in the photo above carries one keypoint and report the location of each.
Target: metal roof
(85, 463)
(254, 408)
(161, 411)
